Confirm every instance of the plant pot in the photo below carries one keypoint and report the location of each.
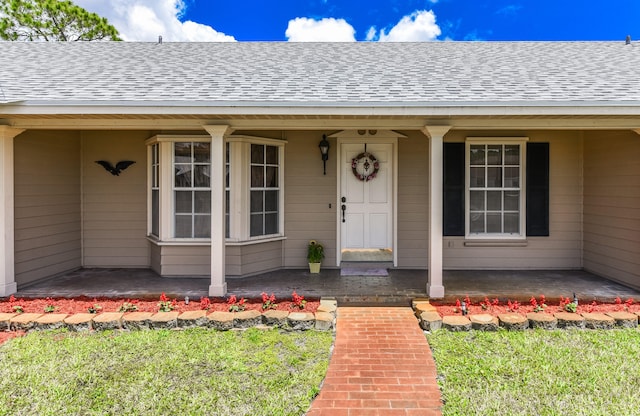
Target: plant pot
(314, 268)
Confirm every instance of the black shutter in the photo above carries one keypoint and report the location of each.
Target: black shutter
(538, 189)
(453, 198)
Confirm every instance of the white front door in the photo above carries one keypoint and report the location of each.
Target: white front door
(366, 194)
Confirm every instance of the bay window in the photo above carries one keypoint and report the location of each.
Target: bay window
(180, 188)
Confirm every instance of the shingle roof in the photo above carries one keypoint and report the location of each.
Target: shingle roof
(326, 74)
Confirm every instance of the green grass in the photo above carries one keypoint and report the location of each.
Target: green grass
(537, 372)
(162, 372)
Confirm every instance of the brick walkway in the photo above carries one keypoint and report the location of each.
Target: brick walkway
(381, 365)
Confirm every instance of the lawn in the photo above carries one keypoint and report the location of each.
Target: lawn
(161, 372)
(563, 372)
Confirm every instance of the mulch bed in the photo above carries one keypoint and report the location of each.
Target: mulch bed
(496, 308)
(83, 304)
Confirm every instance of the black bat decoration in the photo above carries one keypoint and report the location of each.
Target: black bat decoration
(120, 166)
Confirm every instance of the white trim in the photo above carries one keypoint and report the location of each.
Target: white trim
(207, 243)
(159, 138)
(8, 283)
(521, 141)
(338, 122)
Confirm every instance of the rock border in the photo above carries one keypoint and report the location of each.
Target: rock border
(430, 320)
(323, 320)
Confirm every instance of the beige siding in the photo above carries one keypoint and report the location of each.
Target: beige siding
(413, 201)
(115, 207)
(308, 194)
(563, 248)
(244, 260)
(612, 206)
(47, 204)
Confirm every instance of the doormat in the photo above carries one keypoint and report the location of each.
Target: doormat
(363, 271)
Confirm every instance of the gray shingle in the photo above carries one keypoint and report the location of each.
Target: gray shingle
(349, 74)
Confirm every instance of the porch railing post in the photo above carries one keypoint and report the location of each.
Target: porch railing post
(7, 202)
(218, 286)
(435, 288)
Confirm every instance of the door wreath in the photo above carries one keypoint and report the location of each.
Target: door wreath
(365, 166)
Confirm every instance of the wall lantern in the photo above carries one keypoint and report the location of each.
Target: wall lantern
(324, 150)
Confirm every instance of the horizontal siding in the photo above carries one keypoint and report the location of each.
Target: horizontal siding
(612, 206)
(413, 201)
(308, 194)
(563, 248)
(115, 207)
(240, 260)
(47, 204)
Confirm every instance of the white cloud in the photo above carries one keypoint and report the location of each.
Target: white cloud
(419, 26)
(145, 20)
(303, 29)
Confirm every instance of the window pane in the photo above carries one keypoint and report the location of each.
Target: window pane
(494, 223)
(494, 177)
(271, 201)
(257, 153)
(256, 225)
(272, 177)
(512, 201)
(512, 154)
(494, 154)
(477, 154)
(476, 201)
(155, 213)
(494, 200)
(257, 176)
(182, 152)
(183, 202)
(183, 176)
(256, 201)
(202, 225)
(512, 177)
(202, 201)
(272, 155)
(271, 224)
(227, 225)
(512, 223)
(226, 177)
(201, 152)
(202, 176)
(476, 222)
(476, 179)
(183, 226)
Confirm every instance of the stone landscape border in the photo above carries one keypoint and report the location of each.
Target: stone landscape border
(323, 320)
(430, 320)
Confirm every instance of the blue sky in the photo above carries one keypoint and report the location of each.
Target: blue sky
(370, 20)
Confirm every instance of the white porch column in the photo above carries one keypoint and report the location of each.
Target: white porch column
(218, 286)
(435, 288)
(7, 240)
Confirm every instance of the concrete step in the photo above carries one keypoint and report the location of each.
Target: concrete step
(366, 264)
(373, 300)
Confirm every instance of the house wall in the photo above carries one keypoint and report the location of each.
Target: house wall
(115, 207)
(310, 199)
(47, 204)
(612, 205)
(563, 248)
(413, 201)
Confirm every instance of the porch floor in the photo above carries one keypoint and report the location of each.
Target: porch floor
(398, 288)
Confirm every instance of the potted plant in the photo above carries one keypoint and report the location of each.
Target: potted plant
(315, 254)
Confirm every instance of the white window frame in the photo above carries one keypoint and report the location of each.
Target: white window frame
(167, 181)
(239, 188)
(240, 182)
(521, 141)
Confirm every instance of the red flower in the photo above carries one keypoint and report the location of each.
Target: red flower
(205, 304)
(163, 298)
(232, 299)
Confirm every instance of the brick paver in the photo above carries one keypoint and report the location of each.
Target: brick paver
(381, 365)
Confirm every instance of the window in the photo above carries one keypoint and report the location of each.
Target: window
(495, 197)
(192, 190)
(180, 188)
(265, 190)
(155, 190)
